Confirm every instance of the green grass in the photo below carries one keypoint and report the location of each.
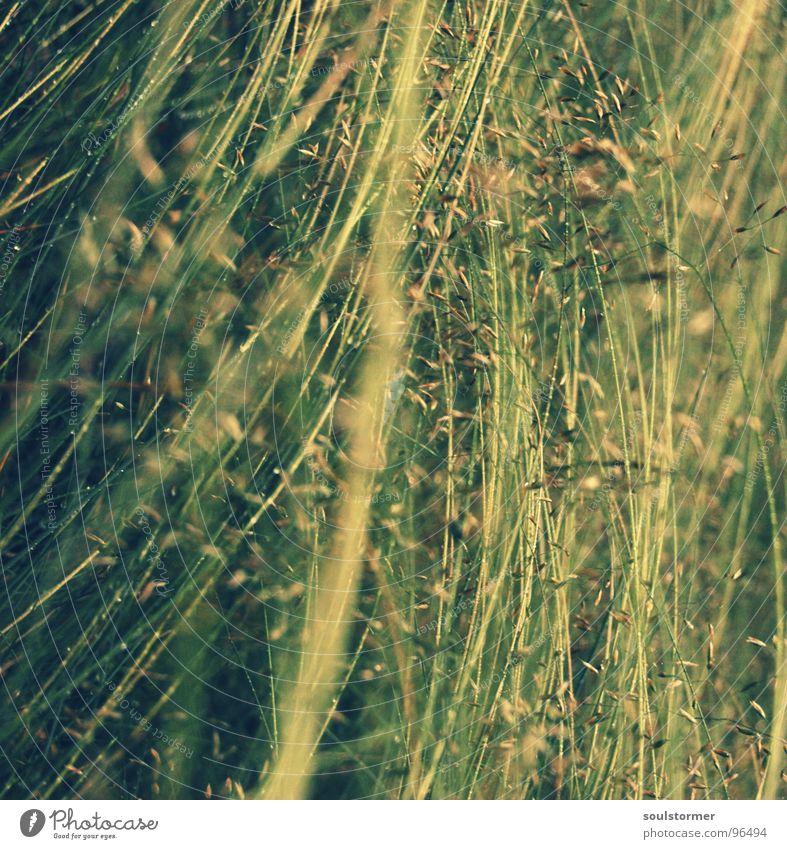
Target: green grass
(393, 400)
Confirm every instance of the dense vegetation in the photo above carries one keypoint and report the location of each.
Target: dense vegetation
(393, 399)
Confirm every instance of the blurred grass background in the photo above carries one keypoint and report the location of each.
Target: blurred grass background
(393, 400)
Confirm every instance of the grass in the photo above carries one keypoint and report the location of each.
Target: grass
(393, 400)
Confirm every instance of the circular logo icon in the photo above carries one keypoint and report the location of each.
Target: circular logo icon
(31, 822)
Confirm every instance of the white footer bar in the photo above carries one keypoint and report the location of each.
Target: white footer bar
(394, 825)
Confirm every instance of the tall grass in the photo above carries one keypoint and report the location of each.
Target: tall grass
(393, 400)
